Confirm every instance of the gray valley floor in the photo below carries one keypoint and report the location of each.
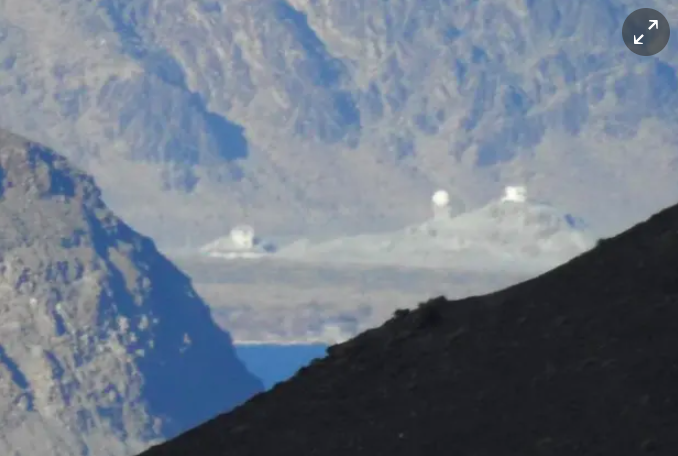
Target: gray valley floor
(267, 300)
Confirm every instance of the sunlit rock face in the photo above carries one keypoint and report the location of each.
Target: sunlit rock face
(105, 347)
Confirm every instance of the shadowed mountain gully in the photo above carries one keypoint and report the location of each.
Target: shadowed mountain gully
(580, 360)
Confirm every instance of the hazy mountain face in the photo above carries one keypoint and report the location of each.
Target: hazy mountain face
(320, 115)
(526, 238)
(104, 345)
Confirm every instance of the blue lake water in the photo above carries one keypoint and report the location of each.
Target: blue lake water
(275, 363)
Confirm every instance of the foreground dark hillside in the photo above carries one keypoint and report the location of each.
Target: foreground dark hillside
(580, 361)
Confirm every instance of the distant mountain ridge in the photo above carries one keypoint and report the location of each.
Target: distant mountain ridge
(578, 361)
(505, 235)
(105, 347)
(298, 116)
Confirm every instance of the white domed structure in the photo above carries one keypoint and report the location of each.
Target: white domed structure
(240, 243)
(243, 237)
(441, 198)
(516, 194)
(441, 204)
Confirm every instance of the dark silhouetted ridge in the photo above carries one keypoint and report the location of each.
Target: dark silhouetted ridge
(582, 360)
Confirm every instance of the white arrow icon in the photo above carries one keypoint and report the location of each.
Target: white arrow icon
(654, 23)
(637, 40)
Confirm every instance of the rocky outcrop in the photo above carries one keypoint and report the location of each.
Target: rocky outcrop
(104, 345)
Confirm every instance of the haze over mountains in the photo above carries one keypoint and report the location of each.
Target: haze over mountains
(516, 235)
(105, 347)
(579, 361)
(317, 118)
(328, 291)
(262, 111)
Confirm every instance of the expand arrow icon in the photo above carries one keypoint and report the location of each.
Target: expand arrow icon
(637, 40)
(653, 23)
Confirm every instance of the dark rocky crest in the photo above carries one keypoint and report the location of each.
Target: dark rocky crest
(582, 360)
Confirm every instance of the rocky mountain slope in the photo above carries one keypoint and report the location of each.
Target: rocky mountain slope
(104, 345)
(581, 360)
(261, 111)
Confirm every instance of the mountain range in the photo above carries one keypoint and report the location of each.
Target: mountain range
(304, 116)
(105, 347)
